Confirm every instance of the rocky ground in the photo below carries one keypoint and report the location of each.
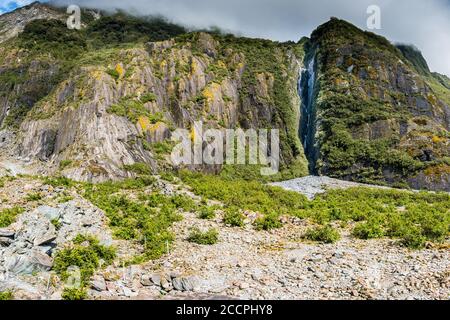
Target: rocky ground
(312, 186)
(244, 264)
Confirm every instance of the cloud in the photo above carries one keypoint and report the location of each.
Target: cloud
(423, 23)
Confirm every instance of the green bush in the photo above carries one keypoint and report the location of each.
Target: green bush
(133, 109)
(162, 148)
(209, 237)
(74, 294)
(325, 234)
(414, 218)
(113, 73)
(413, 238)
(207, 213)
(6, 295)
(139, 168)
(258, 197)
(64, 164)
(54, 37)
(33, 197)
(8, 216)
(368, 230)
(145, 219)
(268, 222)
(148, 97)
(56, 223)
(233, 217)
(58, 181)
(121, 28)
(85, 254)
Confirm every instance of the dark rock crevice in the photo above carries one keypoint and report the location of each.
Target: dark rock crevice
(307, 92)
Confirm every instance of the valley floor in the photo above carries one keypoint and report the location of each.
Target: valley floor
(244, 264)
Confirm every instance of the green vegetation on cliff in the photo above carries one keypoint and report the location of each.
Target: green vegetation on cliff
(369, 98)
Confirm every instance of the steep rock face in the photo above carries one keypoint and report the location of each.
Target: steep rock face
(117, 107)
(93, 110)
(13, 23)
(378, 118)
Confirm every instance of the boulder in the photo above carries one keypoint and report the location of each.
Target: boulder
(7, 233)
(98, 283)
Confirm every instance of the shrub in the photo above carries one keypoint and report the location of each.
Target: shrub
(56, 223)
(162, 148)
(145, 219)
(58, 181)
(148, 97)
(53, 36)
(325, 234)
(121, 28)
(268, 222)
(113, 73)
(167, 176)
(258, 197)
(74, 294)
(368, 230)
(85, 254)
(64, 198)
(8, 216)
(410, 216)
(33, 197)
(209, 237)
(139, 168)
(233, 217)
(207, 213)
(64, 164)
(413, 238)
(6, 295)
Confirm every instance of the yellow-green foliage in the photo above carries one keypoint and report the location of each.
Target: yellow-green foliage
(74, 294)
(207, 213)
(139, 168)
(441, 91)
(6, 295)
(233, 217)
(134, 109)
(146, 219)
(414, 218)
(64, 164)
(8, 216)
(325, 234)
(209, 237)
(85, 254)
(258, 197)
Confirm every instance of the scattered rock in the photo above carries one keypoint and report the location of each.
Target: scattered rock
(146, 281)
(4, 242)
(7, 233)
(98, 283)
(45, 239)
(156, 279)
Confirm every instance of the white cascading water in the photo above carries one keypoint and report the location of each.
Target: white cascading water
(306, 86)
(310, 89)
(306, 93)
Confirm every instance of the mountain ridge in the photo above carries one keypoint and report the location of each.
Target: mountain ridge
(202, 71)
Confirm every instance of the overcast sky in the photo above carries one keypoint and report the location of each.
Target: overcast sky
(425, 23)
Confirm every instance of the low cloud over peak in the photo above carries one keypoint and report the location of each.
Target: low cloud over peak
(426, 24)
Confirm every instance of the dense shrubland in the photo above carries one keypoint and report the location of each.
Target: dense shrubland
(413, 218)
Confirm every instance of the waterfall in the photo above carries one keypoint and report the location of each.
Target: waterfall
(307, 82)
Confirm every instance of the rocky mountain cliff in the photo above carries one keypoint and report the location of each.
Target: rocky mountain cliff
(98, 103)
(379, 114)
